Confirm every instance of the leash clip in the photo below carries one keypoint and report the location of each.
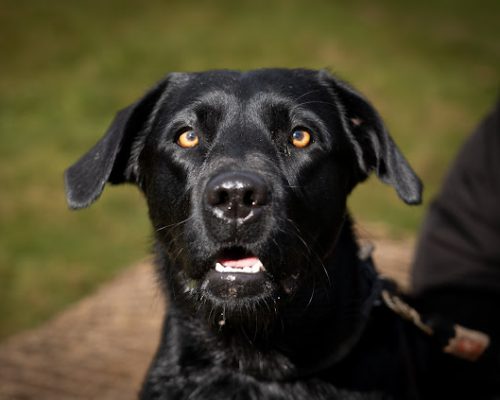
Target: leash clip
(467, 343)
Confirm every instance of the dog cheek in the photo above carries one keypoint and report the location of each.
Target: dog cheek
(320, 212)
(198, 249)
(290, 284)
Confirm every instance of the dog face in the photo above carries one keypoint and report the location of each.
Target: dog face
(246, 176)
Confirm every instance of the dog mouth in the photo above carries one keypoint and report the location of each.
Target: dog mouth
(237, 273)
(238, 260)
(246, 265)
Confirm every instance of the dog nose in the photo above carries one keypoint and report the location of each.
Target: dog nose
(236, 195)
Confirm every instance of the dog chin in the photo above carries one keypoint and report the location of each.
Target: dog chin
(235, 294)
(237, 286)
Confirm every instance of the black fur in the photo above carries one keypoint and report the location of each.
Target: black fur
(307, 328)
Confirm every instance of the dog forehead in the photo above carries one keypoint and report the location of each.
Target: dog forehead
(290, 83)
(261, 96)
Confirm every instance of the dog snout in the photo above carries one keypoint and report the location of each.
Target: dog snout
(236, 196)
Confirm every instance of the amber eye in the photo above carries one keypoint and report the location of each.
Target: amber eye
(301, 138)
(188, 139)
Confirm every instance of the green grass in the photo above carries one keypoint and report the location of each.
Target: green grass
(67, 66)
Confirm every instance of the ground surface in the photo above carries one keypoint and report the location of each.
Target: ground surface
(100, 347)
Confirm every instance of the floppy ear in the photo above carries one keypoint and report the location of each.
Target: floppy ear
(108, 160)
(374, 148)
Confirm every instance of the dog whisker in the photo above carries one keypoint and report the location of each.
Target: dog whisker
(256, 327)
(312, 294)
(280, 251)
(310, 251)
(306, 94)
(175, 224)
(314, 102)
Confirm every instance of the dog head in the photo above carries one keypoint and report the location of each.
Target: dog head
(246, 176)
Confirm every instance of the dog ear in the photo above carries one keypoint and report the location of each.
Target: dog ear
(108, 160)
(375, 150)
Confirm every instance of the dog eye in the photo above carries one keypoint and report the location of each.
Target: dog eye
(300, 138)
(188, 139)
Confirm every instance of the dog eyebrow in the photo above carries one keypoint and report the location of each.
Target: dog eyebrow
(212, 107)
(209, 116)
(200, 108)
(215, 98)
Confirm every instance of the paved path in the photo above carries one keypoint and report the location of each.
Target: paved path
(100, 347)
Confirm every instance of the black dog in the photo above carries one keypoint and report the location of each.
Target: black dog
(246, 176)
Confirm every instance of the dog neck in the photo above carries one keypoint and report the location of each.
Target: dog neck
(337, 312)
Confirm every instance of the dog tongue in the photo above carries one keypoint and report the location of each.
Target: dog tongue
(240, 263)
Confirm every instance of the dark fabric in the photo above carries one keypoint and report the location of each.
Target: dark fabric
(456, 273)
(460, 241)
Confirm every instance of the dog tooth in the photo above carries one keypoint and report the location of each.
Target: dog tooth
(219, 267)
(260, 266)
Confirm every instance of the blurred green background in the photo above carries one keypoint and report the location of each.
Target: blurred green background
(431, 68)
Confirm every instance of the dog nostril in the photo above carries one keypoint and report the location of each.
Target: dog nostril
(249, 198)
(222, 198)
(218, 197)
